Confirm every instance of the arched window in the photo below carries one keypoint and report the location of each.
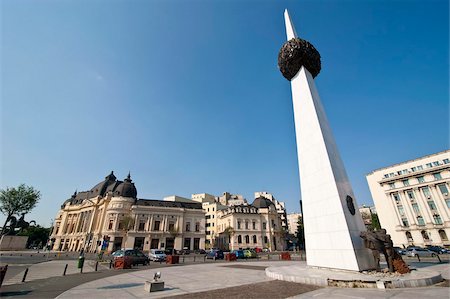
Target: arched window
(409, 237)
(239, 239)
(247, 239)
(254, 239)
(443, 235)
(425, 236)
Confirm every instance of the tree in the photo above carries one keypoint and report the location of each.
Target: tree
(37, 236)
(375, 222)
(15, 201)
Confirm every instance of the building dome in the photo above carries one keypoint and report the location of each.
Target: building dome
(262, 202)
(100, 188)
(126, 188)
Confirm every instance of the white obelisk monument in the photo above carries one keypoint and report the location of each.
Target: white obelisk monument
(331, 217)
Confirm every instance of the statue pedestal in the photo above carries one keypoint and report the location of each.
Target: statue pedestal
(154, 286)
(13, 242)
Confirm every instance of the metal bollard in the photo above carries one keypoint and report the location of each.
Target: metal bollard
(183, 259)
(25, 275)
(204, 258)
(96, 266)
(110, 264)
(65, 269)
(194, 258)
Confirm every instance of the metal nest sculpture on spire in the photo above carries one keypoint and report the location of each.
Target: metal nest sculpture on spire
(296, 53)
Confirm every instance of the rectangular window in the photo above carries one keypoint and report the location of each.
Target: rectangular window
(432, 205)
(405, 222)
(420, 221)
(443, 189)
(401, 211)
(386, 176)
(392, 185)
(141, 225)
(413, 169)
(420, 167)
(156, 225)
(187, 243)
(197, 226)
(426, 192)
(436, 163)
(428, 165)
(246, 225)
(404, 171)
(171, 226)
(437, 219)
(416, 208)
(446, 161)
(120, 225)
(437, 176)
(396, 198)
(410, 194)
(405, 183)
(447, 201)
(264, 225)
(239, 225)
(110, 224)
(188, 226)
(421, 179)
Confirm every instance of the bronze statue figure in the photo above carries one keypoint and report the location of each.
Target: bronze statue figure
(380, 242)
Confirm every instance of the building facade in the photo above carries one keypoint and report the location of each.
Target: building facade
(250, 226)
(279, 205)
(110, 217)
(292, 220)
(412, 200)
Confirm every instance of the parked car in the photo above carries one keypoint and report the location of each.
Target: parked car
(136, 256)
(215, 254)
(438, 249)
(239, 253)
(200, 251)
(248, 253)
(157, 255)
(400, 250)
(415, 251)
(170, 251)
(184, 251)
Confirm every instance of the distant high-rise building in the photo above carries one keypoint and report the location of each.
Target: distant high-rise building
(412, 200)
(292, 220)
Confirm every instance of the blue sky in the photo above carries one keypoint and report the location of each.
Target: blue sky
(188, 97)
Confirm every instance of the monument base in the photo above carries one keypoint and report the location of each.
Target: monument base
(13, 242)
(154, 286)
(353, 279)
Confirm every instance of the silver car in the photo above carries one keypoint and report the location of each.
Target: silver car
(157, 255)
(415, 251)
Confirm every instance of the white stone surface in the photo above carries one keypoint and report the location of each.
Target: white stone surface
(331, 231)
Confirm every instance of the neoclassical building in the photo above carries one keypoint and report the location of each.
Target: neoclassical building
(412, 200)
(110, 217)
(255, 225)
